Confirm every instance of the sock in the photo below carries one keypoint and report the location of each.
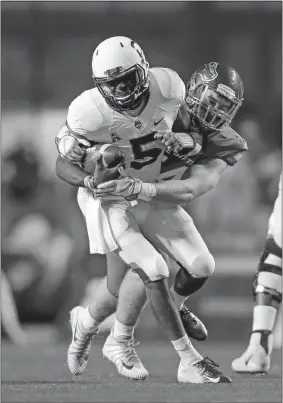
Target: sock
(186, 350)
(87, 320)
(264, 317)
(122, 332)
(179, 299)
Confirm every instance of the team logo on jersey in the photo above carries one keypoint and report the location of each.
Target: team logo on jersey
(138, 124)
(114, 136)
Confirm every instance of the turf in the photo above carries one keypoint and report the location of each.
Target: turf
(40, 374)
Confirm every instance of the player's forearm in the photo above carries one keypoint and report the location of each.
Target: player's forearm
(70, 173)
(183, 191)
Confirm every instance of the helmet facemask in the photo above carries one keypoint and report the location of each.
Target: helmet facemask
(123, 89)
(214, 107)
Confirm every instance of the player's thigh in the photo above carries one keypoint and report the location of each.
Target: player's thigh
(136, 251)
(173, 230)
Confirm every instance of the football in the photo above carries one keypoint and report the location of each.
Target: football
(111, 157)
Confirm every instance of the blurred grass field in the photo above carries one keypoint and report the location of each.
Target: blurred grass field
(40, 374)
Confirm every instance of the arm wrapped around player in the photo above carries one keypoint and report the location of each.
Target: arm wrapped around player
(203, 177)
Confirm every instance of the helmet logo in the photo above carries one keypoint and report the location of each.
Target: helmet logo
(135, 46)
(226, 91)
(114, 71)
(209, 73)
(206, 73)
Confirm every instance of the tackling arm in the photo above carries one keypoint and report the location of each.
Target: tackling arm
(197, 180)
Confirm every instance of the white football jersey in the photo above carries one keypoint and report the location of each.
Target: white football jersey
(90, 116)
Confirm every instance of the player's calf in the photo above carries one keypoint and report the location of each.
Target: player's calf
(186, 284)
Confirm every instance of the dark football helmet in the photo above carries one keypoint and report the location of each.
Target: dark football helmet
(214, 95)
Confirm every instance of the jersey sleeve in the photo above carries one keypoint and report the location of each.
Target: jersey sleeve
(227, 145)
(83, 116)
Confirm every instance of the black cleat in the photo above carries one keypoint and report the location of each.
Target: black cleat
(193, 325)
(209, 370)
(204, 371)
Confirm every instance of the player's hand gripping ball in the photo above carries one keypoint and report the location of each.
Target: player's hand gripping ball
(103, 162)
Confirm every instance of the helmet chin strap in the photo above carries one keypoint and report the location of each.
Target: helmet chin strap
(138, 102)
(135, 104)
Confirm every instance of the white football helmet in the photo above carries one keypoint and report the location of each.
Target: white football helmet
(120, 72)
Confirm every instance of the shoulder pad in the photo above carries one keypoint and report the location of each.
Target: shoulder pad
(170, 83)
(85, 113)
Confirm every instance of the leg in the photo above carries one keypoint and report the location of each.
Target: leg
(132, 297)
(9, 312)
(173, 230)
(106, 296)
(151, 267)
(85, 321)
(119, 346)
(267, 289)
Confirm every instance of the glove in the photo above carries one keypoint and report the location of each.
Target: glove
(127, 187)
(176, 142)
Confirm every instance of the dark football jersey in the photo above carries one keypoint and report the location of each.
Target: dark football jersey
(227, 145)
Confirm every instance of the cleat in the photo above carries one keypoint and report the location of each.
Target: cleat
(204, 371)
(193, 325)
(252, 362)
(79, 349)
(256, 358)
(123, 355)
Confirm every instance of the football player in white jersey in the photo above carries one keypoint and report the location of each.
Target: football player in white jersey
(124, 85)
(267, 290)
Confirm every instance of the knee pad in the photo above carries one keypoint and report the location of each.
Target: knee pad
(155, 270)
(269, 274)
(185, 284)
(202, 266)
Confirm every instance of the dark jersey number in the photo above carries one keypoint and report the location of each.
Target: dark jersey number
(143, 156)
